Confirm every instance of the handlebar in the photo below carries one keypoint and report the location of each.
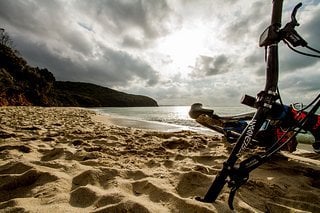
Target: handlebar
(197, 110)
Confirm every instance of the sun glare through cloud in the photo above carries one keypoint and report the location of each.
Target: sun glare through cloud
(174, 51)
(183, 46)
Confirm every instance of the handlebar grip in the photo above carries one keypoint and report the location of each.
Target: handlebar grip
(197, 110)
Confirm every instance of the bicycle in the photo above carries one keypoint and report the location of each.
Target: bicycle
(273, 125)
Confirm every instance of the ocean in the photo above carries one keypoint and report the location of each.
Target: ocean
(163, 117)
(172, 118)
(177, 115)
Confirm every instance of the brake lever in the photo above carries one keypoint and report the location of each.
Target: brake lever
(289, 34)
(294, 13)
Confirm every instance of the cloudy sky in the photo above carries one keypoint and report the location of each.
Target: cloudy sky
(175, 51)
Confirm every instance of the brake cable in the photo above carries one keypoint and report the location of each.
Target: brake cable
(273, 149)
(312, 103)
(303, 53)
(292, 38)
(310, 48)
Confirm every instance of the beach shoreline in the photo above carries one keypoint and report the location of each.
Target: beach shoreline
(147, 125)
(73, 160)
(304, 141)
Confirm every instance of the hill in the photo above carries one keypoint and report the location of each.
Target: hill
(21, 84)
(90, 95)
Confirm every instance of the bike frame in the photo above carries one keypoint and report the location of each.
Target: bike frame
(265, 100)
(267, 107)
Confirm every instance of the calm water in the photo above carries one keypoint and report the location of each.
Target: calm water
(176, 115)
(171, 118)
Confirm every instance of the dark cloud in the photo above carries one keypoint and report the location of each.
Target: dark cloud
(292, 61)
(127, 68)
(300, 87)
(42, 18)
(51, 35)
(147, 19)
(255, 62)
(207, 66)
(248, 22)
(43, 21)
(21, 14)
(116, 43)
(112, 68)
(289, 61)
(133, 42)
(301, 82)
(308, 28)
(256, 57)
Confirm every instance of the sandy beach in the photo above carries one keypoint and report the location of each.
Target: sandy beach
(75, 160)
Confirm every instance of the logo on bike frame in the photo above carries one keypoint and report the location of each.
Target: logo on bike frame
(249, 133)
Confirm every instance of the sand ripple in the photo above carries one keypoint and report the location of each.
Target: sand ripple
(65, 160)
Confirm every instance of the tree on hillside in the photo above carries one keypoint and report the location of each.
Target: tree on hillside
(5, 38)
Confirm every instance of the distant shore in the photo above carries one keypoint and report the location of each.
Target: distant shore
(75, 160)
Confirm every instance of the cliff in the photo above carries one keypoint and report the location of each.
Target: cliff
(21, 84)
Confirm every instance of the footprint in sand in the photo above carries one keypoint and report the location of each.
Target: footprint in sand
(208, 159)
(134, 174)
(193, 183)
(101, 178)
(160, 195)
(18, 178)
(109, 199)
(84, 196)
(56, 153)
(14, 168)
(20, 148)
(126, 206)
(96, 188)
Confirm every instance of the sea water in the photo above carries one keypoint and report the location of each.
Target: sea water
(172, 118)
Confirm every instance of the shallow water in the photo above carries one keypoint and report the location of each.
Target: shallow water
(172, 118)
(177, 115)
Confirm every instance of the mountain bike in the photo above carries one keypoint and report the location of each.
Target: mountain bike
(273, 124)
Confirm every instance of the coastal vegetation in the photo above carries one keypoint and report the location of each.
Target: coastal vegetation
(22, 84)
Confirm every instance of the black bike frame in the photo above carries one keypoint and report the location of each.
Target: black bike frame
(265, 100)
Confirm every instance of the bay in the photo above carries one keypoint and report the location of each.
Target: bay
(163, 117)
(172, 118)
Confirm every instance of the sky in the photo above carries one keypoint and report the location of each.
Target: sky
(176, 51)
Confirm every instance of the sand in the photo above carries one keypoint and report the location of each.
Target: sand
(73, 160)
